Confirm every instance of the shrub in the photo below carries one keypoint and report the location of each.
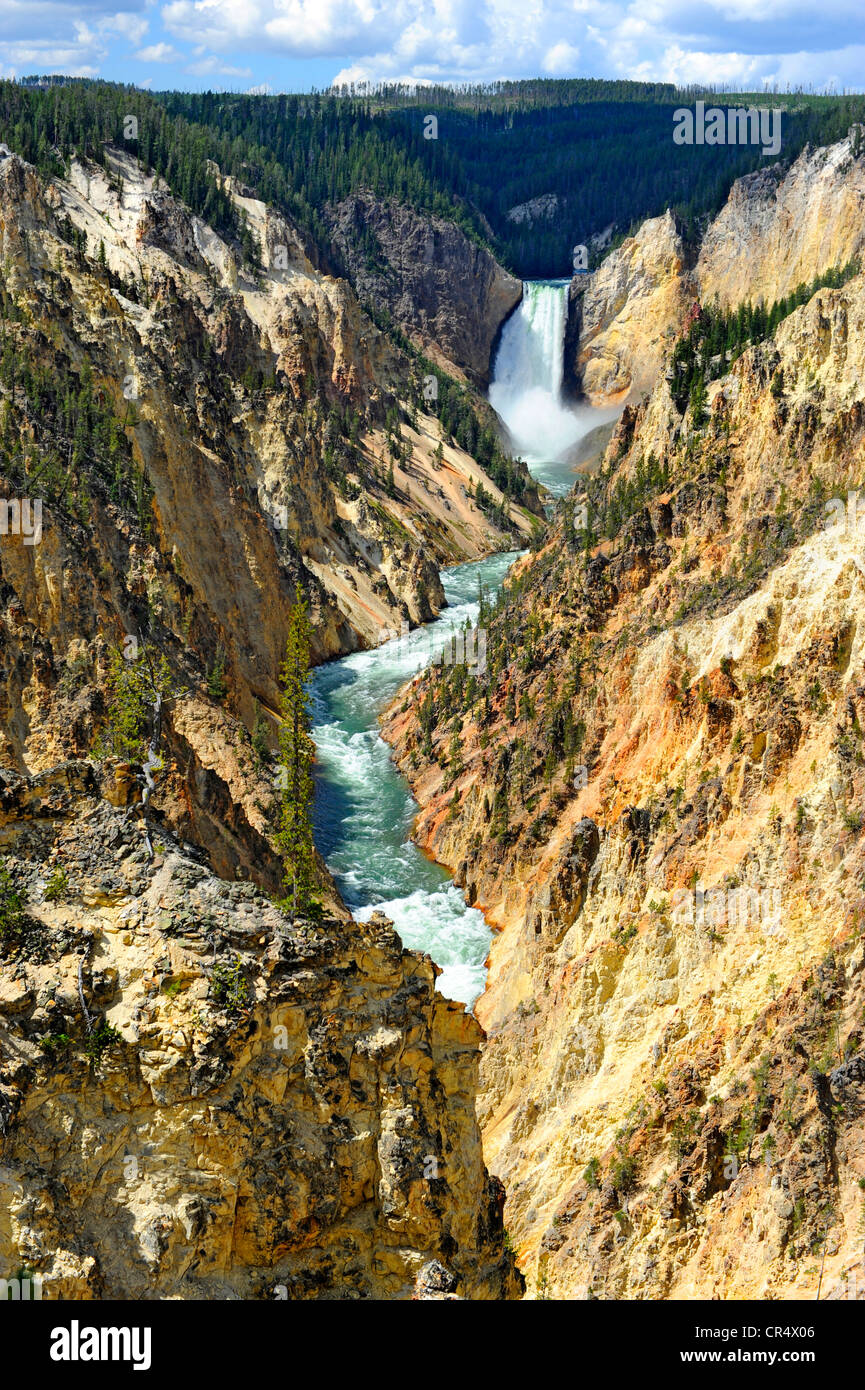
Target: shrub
(217, 685)
(101, 1036)
(133, 688)
(229, 988)
(12, 915)
(57, 887)
(592, 1173)
(623, 1173)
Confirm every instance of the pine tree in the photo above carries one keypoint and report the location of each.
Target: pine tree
(260, 745)
(698, 401)
(217, 686)
(296, 752)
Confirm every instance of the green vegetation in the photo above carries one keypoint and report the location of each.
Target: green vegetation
(716, 337)
(57, 887)
(13, 917)
(296, 753)
(217, 685)
(498, 146)
(592, 1174)
(259, 740)
(101, 1036)
(228, 987)
(455, 408)
(133, 687)
(60, 439)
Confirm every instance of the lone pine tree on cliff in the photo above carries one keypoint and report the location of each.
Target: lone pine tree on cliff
(296, 752)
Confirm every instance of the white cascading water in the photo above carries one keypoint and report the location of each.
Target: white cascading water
(526, 386)
(363, 807)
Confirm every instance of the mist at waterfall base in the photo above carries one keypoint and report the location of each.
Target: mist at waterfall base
(526, 386)
(364, 808)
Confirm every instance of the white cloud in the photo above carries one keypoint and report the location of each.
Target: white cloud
(673, 40)
(158, 53)
(685, 41)
(205, 67)
(562, 59)
(130, 26)
(82, 34)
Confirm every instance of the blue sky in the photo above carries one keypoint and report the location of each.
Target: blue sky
(293, 45)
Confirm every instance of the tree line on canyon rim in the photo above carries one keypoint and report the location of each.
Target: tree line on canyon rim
(497, 147)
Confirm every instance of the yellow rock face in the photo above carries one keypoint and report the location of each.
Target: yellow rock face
(774, 233)
(280, 1112)
(673, 1082)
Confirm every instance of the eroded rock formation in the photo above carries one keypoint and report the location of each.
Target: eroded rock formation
(657, 797)
(199, 1100)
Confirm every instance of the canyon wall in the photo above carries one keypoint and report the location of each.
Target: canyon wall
(446, 292)
(236, 439)
(656, 795)
(780, 227)
(199, 1100)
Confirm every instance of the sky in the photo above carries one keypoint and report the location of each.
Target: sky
(295, 45)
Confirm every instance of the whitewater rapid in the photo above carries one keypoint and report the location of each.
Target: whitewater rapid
(363, 806)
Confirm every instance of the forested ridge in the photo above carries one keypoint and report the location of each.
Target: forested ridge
(603, 149)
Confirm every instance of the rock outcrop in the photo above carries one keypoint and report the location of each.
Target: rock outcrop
(200, 1100)
(779, 228)
(444, 290)
(622, 319)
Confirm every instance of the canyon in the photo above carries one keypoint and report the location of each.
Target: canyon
(198, 1100)
(673, 714)
(649, 790)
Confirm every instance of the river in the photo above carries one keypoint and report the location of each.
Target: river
(363, 806)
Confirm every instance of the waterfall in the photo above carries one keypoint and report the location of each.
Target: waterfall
(532, 342)
(526, 385)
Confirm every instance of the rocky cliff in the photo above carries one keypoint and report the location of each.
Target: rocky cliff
(780, 227)
(203, 435)
(656, 796)
(622, 319)
(199, 1100)
(448, 293)
(254, 400)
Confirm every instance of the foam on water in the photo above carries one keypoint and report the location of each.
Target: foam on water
(364, 809)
